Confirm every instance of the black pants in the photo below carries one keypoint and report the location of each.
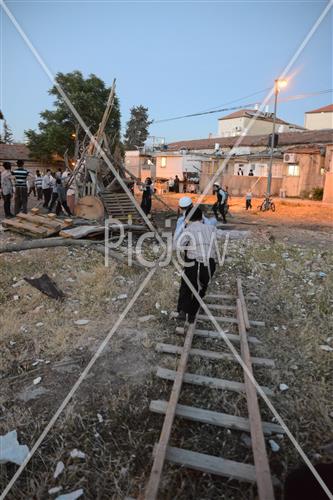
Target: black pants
(21, 199)
(248, 204)
(6, 204)
(53, 200)
(146, 203)
(32, 190)
(39, 193)
(47, 196)
(60, 205)
(199, 276)
(220, 207)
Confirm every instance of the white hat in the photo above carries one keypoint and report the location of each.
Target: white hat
(216, 184)
(185, 201)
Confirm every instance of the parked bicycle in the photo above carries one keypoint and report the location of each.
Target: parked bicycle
(267, 204)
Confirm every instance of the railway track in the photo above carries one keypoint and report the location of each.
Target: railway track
(230, 310)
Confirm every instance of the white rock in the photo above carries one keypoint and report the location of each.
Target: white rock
(329, 339)
(77, 454)
(274, 446)
(11, 450)
(322, 274)
(149, 317)
(157, 305)
(37, 380)
(327, 348)
(19, 283)
(283, 387)
(81, 322)
(71, 496)
(11, 342)
(16, 297)
(164, 312)
(39, 324)
(174, 314)
(100, 418)
(70, 280)
(122, 296)
(54, 490)
(59, 469)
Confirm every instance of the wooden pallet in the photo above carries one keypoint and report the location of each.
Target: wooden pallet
(259, 472)
(119, 206)
(36, 225)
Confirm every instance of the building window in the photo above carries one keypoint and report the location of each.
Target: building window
(293, 170)
(163, 161)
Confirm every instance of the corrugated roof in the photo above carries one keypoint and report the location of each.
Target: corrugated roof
(324, 109)
(14, 152)
(285, 139)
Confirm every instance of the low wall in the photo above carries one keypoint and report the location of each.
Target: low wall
(239, 185)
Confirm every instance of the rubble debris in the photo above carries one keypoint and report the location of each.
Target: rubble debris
(274, 446)
(71, 496)
(59, 469)
(327, 348)
(54, 490)
(37, 226)
(283, 387)
(81, 322)
(148, 317)
(77, 453)
(47, 286)
(11, 450)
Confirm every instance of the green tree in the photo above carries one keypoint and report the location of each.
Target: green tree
(89, 97)
(7, 136)
(137, 128)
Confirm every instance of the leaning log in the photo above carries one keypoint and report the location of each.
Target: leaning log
(66, 242)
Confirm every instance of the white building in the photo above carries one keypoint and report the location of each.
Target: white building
(318, 119)
(237, 123)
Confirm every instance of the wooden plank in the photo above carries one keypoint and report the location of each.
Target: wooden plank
(174, 349)
(218, 307)
(214, 418)
(215, 383)
(263, 474)
(159, 459)
(40, 220)
(215, 335)
(211, 465)
(23, 226)
(223, 296)
(227, 319)
(242, 300)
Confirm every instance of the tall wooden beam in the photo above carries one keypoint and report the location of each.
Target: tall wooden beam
(263, 474)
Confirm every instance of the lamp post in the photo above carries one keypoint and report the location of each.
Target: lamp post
(278, 85)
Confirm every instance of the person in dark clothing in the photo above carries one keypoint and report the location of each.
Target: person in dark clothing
(61, 198)
(176, 184)
(7, 188)
(251, 174)
(147, 192)
(21, 189)
(302, 485)
(199, 263)
(221, 202)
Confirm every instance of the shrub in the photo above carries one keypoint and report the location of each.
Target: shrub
(317, 193)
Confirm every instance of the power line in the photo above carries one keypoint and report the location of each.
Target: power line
(220, 110)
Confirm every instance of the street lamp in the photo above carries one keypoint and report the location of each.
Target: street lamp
(278, 85)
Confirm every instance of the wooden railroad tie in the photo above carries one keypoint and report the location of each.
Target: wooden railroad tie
(259, 472)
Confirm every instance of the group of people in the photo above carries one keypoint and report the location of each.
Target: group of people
(19, 183)
(173, 184)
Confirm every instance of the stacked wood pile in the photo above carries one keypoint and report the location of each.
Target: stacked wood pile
(36, 225)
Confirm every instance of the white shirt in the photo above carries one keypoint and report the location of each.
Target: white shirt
(47, 181)
(180, 226)
(200, 241)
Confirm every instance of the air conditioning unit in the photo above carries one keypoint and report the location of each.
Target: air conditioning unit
(290, 158)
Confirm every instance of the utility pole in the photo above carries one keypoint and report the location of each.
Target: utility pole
(278, 84)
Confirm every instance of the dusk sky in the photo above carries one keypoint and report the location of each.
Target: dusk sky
(172, 57)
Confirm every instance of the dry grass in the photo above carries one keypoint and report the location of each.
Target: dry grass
(292, 295)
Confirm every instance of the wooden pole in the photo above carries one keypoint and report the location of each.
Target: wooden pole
(263, 474)
(242, 299)
(156, 471)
